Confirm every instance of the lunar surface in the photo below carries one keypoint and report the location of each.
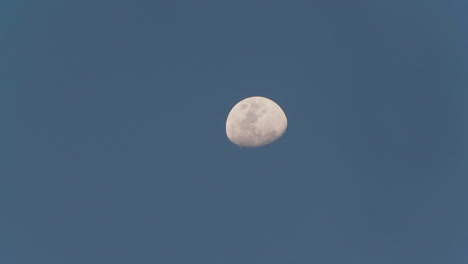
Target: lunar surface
(255, 122)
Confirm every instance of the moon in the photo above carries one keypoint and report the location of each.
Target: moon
(255, 121)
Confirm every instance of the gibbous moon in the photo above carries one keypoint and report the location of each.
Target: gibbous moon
(255, 122)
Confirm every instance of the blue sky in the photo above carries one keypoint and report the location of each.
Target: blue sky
(113, 147)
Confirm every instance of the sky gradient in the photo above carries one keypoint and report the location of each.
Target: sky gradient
(113, 145)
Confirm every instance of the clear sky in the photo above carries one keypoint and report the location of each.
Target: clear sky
(113, 145)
